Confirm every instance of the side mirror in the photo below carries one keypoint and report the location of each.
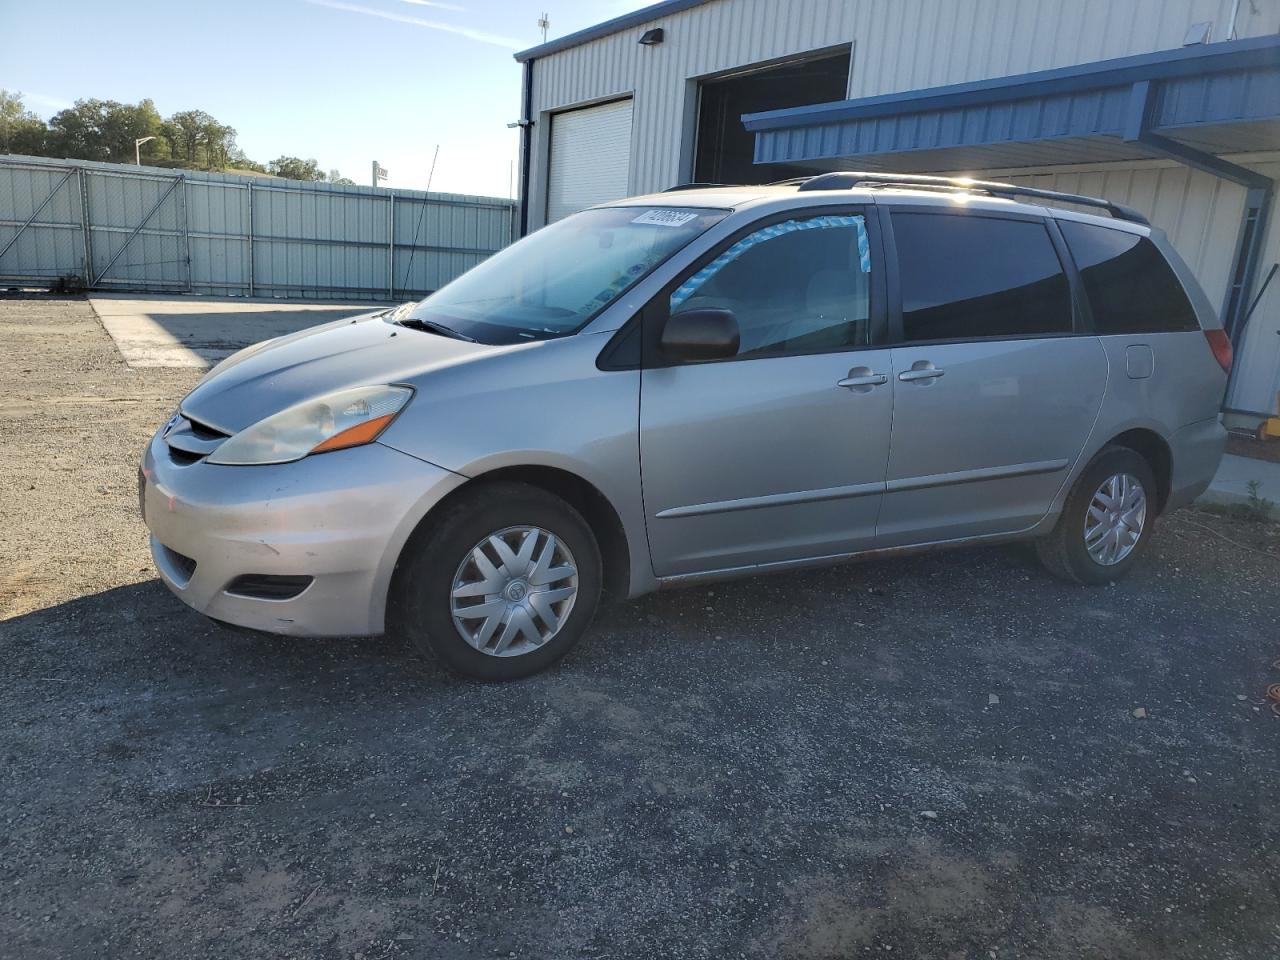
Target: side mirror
(710, 334)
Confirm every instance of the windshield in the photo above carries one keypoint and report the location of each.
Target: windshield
(554, 281)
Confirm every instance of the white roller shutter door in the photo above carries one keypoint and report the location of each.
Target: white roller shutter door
(590, 158)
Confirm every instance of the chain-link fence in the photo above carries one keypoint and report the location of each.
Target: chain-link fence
(115, 227)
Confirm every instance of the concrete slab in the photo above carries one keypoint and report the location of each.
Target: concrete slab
(199, 331)
(1232, 483)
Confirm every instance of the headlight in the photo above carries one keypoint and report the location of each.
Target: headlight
(346, 418)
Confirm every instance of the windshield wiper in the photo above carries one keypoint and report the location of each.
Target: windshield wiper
(430, 326)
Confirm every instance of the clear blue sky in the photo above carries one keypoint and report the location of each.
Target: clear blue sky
(343, 81)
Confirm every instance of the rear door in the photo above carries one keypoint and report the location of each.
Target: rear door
(1160, 365)
(777, 454)
(996, 386)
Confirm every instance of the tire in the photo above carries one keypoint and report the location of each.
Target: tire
(1064, 552)
(443, 557)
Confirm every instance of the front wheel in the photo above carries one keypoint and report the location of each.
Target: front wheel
(1106, 522)
(503, 585)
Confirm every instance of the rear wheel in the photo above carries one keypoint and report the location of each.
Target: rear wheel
(504, 584)
(1106, 522)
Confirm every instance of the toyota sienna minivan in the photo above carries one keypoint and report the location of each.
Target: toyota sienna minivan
(704, 383)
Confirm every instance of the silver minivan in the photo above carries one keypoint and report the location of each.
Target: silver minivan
(703, 383)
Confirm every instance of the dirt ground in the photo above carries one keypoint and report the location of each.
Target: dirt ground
(950, 756)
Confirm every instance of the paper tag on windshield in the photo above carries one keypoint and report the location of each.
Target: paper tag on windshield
(666, 218)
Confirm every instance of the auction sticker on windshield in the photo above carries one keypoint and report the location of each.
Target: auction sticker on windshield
(666, 218)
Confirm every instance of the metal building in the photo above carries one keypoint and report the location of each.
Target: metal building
(1170, 106)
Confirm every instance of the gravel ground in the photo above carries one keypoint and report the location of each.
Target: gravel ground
(932, 757)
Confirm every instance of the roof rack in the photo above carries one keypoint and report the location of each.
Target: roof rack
(693, 186)
(850, 179)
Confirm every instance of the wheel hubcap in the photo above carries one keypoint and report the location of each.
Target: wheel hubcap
(514, 591)
(1115, 519)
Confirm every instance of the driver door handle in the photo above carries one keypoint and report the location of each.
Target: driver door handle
(862, 377)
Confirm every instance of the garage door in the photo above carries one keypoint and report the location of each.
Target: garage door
(590, 158)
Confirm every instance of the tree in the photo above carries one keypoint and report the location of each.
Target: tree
(338, 178)
(186, 132)
(103, 129)
(107, 130)
(237, 160)
(123, 124)
(21, 131)
(76, 131)
(294, 168)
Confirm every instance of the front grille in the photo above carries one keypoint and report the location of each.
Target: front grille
(182, 458)
(190, 441)
(263, 586)
(203, 431)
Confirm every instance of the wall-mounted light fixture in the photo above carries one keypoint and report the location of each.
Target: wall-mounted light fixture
(652, 38)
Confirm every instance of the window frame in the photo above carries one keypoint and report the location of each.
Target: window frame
(655, 314)
(1081, 322)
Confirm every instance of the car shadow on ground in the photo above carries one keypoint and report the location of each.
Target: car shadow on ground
(191, 331)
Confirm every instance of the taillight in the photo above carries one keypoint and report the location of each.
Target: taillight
(1220, 344)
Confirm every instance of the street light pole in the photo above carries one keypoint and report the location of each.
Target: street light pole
(137, 149)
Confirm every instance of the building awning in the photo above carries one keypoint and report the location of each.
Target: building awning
(1210, 99)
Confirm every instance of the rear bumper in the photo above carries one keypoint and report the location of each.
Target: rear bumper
(340, 518)
(1196, 453)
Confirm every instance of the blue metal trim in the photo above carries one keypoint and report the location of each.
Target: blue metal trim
(1164, 64)
(1146, 109)
(1208, 162)
(616, 25)
(1244, 266)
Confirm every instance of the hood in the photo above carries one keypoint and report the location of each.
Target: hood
(362, 351)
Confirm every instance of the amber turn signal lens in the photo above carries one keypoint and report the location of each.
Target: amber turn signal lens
(356, 436)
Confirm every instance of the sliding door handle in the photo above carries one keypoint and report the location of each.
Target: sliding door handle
(921, 371)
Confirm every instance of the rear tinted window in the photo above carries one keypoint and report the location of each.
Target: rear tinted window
(970, 277)
(1130, 286)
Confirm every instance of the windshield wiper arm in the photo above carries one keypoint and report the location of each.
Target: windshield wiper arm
(438, 328)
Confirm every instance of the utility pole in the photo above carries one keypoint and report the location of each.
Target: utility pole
(137, 149)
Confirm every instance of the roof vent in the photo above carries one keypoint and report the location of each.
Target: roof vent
(1198, 33)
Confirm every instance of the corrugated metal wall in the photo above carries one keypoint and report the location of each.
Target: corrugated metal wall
(898, 45)
(130, 228)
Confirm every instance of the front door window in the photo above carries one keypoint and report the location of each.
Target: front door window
(798, 286)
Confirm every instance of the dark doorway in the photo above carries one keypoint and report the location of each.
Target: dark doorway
(725, 148)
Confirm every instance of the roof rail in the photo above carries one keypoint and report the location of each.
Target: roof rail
(692, 186)
(849, 180)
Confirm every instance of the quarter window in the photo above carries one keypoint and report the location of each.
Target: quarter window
(971, 277)
(1130, 286)
(799, 286)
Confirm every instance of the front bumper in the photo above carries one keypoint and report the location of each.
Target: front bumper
(341, 518)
